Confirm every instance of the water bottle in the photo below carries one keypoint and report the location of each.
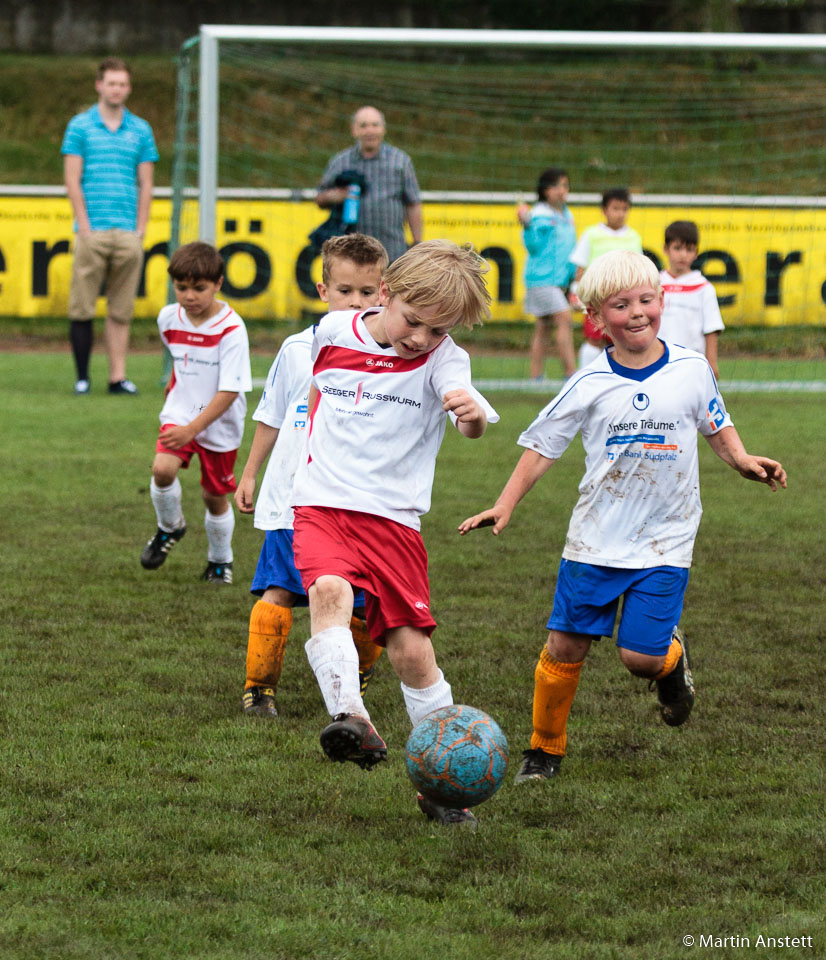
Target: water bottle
(350, 210)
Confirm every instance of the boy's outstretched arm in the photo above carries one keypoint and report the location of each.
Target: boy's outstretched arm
(261, 448)
(531, 467)
(729, 447)
(471, 420)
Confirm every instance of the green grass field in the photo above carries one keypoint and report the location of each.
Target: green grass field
(144, 816)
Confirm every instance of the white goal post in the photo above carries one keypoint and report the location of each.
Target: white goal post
(211, 35)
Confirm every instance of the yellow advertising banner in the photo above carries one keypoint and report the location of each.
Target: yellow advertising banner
(768, 264)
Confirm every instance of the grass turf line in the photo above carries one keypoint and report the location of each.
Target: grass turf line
(145, 817)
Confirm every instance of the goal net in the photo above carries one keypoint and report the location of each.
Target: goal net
(724, 130)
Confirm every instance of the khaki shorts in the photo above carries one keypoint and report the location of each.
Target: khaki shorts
(111, 256)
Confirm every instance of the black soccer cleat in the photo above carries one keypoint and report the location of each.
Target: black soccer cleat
(259, 702)
(449, 816)
(353, 738)
(125, 387)
(537, 765)
(676, 691)
(217, 572)
(154, 553)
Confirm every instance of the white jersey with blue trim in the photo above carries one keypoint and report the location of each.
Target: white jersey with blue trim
(378, 422)
(639, 500)
(283, 405)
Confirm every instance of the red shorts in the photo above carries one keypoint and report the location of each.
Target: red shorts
(217, 468)
(384, 558)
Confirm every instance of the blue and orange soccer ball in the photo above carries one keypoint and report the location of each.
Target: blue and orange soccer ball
(457, 756)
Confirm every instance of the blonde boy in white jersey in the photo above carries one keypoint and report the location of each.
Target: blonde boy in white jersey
(351, 268)
(204, 408)
(383, 380)
(639, 408)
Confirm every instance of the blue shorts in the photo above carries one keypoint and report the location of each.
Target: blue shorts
(276, 568)
(587, 598)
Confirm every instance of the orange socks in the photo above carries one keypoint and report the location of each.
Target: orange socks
(672, 658)
(555, 685)
(269, 628)
(368, 651)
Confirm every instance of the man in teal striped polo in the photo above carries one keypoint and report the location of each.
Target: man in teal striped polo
(109, 156)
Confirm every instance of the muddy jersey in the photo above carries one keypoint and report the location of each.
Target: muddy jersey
(639, 500)
(283, 405)
(378, 421)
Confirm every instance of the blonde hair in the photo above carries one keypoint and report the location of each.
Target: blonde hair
(362, 250)
(440, 272)
(612, 272)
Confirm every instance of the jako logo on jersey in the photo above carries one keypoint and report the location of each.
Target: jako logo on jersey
(378, 363)
(420, 605)
(641, 401)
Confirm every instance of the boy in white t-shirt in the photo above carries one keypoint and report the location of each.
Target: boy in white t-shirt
(204, 407)
(351, 268)
(631, 536)
(691, 314)
(383, 381)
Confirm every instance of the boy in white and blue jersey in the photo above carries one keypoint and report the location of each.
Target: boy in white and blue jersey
(351, 273)
(109, 157)
(639, 407)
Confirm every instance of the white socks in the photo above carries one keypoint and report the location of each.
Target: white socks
(167, 504)
(219, 536)
(420, 703)
(335, 663)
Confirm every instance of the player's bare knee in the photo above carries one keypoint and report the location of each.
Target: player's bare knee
(641, 664)
(331, 601)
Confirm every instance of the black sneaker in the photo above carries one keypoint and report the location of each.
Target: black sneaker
(353, 738)
(123, 386)
(154, 553)
(537, 765)
(676, 691)
(365, 676)
(217, 572)
(259, 702)
(449, 816)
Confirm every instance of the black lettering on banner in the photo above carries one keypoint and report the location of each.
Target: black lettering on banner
(653, 258)
(42, 255)
(504, 263)
(263, 270)
(730, 274)
(776, 263)
(304, 270)
(157, 250)
(2, 267)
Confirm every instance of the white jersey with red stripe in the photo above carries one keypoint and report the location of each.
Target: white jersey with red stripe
(378, 421)
(283, 405)
(639, 500)
(690, 310)
(207, 358)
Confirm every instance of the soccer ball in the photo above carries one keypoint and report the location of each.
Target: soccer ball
(457, 756)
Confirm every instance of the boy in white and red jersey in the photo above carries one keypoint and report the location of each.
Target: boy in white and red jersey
(638, 408)
(383, 381)
(351, 268)
(691, 314)
(204, 407)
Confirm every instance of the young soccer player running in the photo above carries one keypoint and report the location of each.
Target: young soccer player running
(204, 407)
(383, 380)
(351, 268)
(631, 535)
(691, 314)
